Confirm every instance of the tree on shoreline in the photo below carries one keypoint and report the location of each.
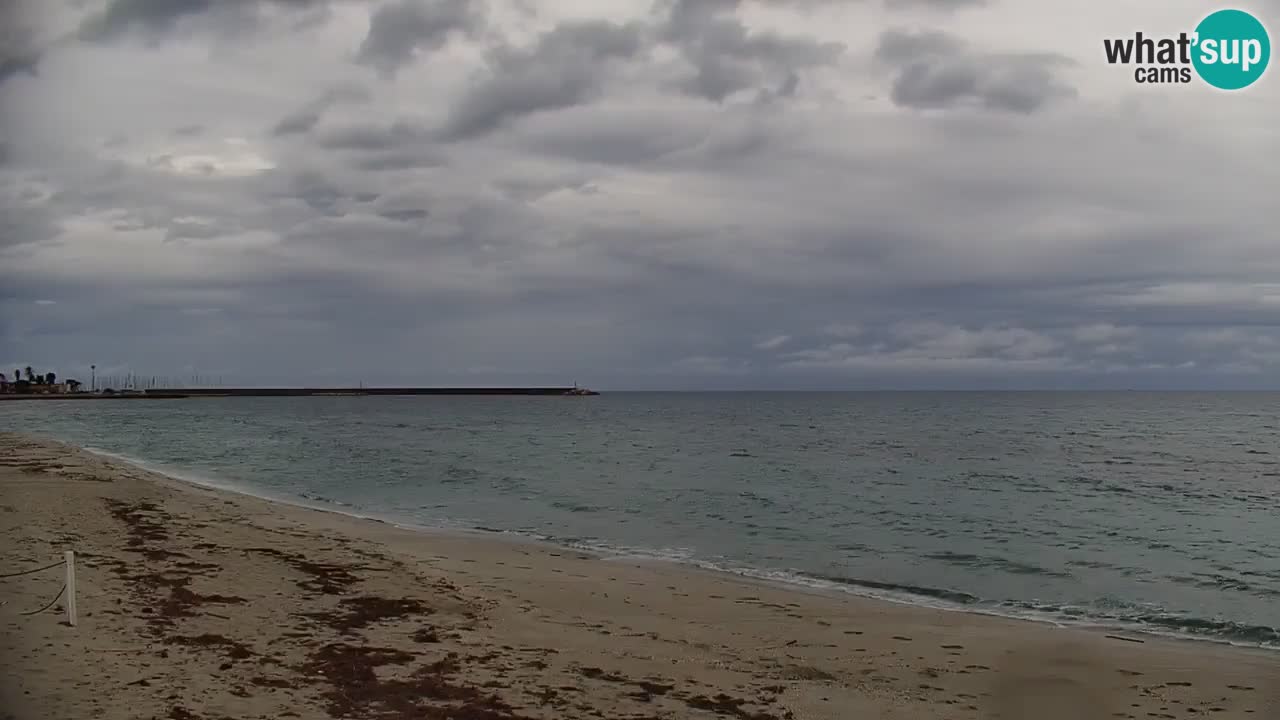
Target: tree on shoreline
(26, 377)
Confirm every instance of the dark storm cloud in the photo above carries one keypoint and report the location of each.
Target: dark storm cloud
(401, 28)
(934, 70)
(565, 66)
(726, 57)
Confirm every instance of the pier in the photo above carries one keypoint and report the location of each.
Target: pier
(309, 392)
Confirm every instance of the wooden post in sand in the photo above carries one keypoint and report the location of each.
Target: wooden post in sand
(71, 587)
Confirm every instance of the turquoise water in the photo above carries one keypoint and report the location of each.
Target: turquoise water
(1149, 510)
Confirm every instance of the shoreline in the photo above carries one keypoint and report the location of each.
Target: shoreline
(202, 602)
(783, 579)
(15, 397)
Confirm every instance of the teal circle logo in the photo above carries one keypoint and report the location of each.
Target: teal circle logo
(1232, 49)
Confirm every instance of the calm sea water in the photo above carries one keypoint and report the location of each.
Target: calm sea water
(1129, 509)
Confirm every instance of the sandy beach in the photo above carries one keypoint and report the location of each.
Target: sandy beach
(203, 604)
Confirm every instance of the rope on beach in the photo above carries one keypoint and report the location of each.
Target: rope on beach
(51, 602)
(68, 586)
(33, 570)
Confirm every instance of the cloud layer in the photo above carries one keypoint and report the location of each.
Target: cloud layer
(688, 194)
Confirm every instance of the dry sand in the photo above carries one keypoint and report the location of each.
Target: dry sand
(197, 603)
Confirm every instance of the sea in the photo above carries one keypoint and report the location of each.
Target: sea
(1143, 511)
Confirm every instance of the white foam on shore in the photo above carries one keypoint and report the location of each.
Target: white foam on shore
(787, 579)
(238, 488)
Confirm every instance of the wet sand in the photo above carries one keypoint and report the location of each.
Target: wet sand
(203, 604)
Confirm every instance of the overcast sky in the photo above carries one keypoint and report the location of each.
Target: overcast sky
(630, 194)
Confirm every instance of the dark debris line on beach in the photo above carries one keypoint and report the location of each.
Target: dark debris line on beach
(433, 685)
(437, 685)
(146, 526)
(431, 691)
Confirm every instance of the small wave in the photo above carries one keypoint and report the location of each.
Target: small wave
(1126, 616)
(1116, 615)
(1222, 582)
(577, 507)
(955, 596)
(993, 476)
(323, 499)
(193, 478)
(758, 499)
(1214, 629)
(1095, 564)
(994, 562)
(454, 474)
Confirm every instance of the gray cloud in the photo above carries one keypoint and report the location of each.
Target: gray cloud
(399, 29)
(375, 137)
(153, 19)
(944, 5)
(563, 67)
(316, 190)
(403, 215)
(560, 200)
(19, 50)
(899, 47)
(726, 57)
(410, 157)
(150, 15)
(696, 138)
(934, 70)
(301, 121)
(14, 61)
(305, 119)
